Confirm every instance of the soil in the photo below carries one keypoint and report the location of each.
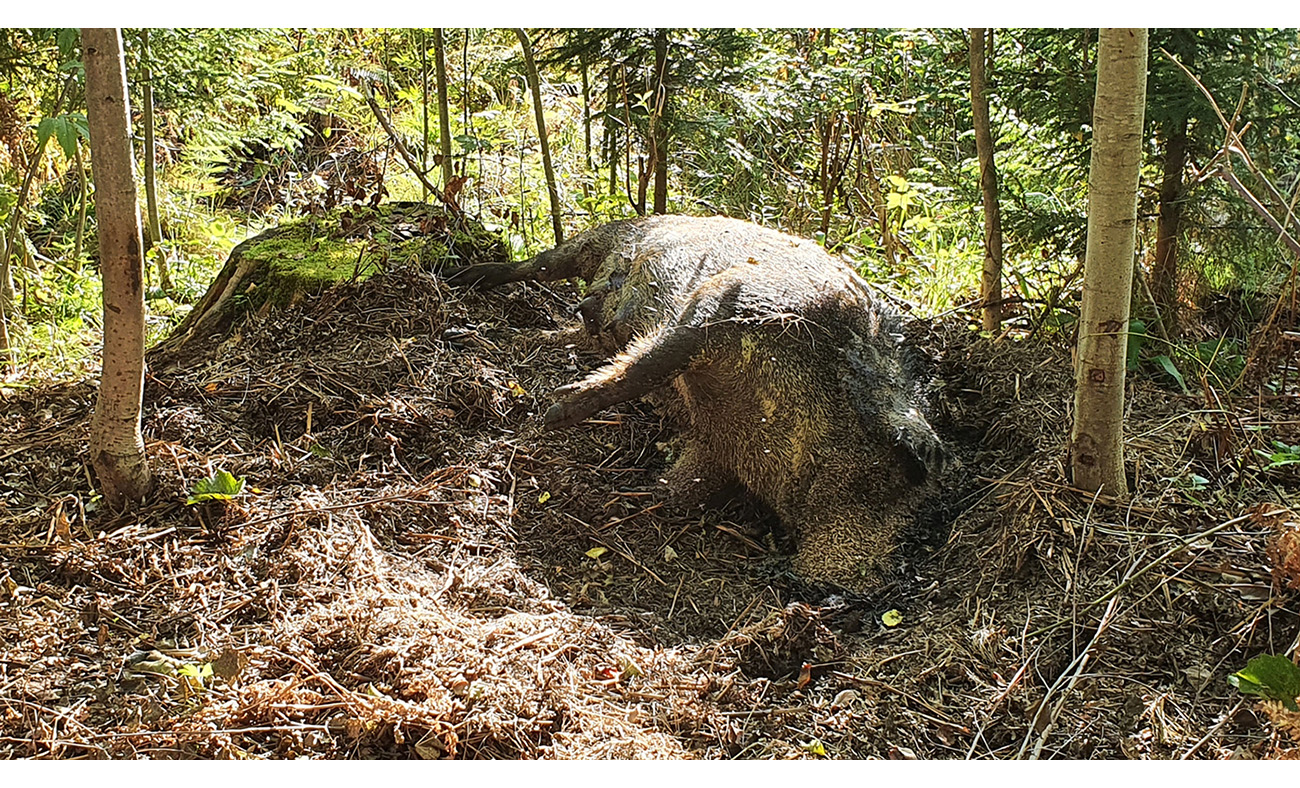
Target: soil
(415, 569)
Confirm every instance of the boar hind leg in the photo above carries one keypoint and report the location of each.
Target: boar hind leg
(654, 360)
(647, 364)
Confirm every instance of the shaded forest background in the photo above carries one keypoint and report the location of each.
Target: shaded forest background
(862, 139)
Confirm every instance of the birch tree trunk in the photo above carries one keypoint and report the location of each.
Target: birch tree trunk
(991, 281)
(1096, 442)
(116, 445)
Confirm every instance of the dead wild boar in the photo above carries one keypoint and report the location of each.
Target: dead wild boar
(789, 371)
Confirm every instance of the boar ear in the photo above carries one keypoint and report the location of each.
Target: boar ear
(919, 453)
(914, 468)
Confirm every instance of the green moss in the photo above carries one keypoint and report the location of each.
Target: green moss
(302, 258)
(426, 252)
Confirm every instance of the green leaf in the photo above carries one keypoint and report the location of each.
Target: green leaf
(221, 486)
(79, 121)
(66, 133)
(1168, 366)
(1137, 336)
(1022, 284)
(892, 618)
(43, 130)
(199, 672)
(67, 39)
(1272, 677)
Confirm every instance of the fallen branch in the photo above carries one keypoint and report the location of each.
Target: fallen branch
(1074, 670)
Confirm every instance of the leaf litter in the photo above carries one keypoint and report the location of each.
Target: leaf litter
(416, 570)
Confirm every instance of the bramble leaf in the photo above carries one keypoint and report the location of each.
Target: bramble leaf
(221, 486)
(1271, 677)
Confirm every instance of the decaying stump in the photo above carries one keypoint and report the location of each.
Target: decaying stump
(280, 266)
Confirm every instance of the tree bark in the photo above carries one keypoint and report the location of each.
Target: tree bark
(1164, 269)
(424, 112)
(530, 65)
(659, 127)
(79, 239)
(991, 280)
(150, 168)
(1096, 442)
(586, 112)
(116, 444)
(611, 132)
(444, 115)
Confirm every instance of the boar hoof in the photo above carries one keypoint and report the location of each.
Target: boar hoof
(560, 415)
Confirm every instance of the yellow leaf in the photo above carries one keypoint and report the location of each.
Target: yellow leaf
(815, 747)
(517, 389)
(544, 497)
(597, 552)
(892, 619)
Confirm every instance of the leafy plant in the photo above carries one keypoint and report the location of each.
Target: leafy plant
(1270, 677)
(1167, 364)
(221, 486)
(1137, 337)
(1282, 456)
(65, 129)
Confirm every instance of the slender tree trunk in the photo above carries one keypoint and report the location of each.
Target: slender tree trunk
(611, 132)
(444, 114)
(424, 112)
(535, 83)
(150, 169)
(1164, 269)
(879, 206)
(1096, 442)
(824, 170)
(6, 348)
(659, 121)
(9, 240)
(586, 113)
(116, 444)
(80, 238)
(991, 281)
(6, 306)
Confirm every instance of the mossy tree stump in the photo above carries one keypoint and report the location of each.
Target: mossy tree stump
(279, 267)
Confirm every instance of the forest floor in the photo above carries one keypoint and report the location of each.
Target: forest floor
(417, 570)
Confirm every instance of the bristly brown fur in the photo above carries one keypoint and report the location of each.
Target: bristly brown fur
(787, 366)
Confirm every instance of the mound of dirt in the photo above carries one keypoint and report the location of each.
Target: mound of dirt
(416, 570)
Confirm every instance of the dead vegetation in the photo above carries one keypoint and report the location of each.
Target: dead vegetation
(417, 571)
